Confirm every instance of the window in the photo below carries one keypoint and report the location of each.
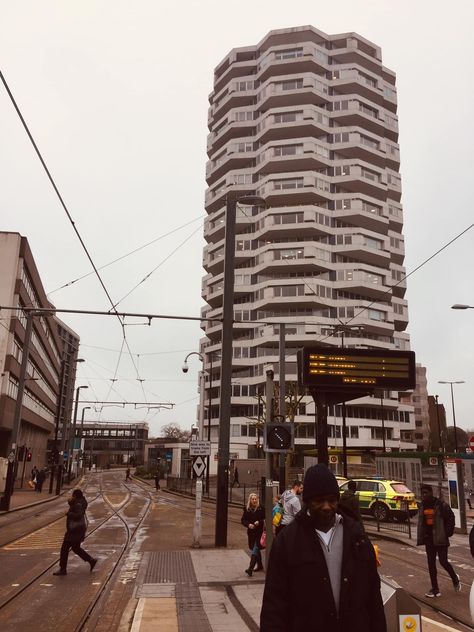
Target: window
(294, 84)
(288, 150)
(286, 117)
(289, 54)
(290, 183)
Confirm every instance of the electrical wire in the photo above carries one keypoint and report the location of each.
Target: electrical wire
(147, 276)
(63, 204)
(128, 254)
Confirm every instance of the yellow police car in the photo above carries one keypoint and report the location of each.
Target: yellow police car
(384, 499)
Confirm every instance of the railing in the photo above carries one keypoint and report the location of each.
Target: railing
(401, 523)
(237, 494)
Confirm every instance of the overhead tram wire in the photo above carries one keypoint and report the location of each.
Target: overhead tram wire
(389, 291)
(63, 204)
(128, 254)
(147, 276)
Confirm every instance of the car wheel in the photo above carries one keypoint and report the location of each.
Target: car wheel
(381, 512)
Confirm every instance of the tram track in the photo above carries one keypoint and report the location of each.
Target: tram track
(114, 512)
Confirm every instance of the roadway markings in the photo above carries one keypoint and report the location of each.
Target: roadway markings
(49, 537)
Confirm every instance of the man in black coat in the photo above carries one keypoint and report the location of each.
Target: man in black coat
(322, 573)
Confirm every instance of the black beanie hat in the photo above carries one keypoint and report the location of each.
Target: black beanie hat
(319, 481)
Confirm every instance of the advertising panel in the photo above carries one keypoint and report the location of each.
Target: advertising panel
(453, 490)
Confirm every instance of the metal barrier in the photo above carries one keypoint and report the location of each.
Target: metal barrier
(402, 612)
(400, 524)
(237, 495)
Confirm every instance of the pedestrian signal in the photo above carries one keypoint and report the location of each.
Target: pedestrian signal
(279, 437)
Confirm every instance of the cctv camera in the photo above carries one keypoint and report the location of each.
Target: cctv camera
(185, 368)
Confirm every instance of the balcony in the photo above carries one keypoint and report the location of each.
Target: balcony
(299, 155)
(348, 81)
(360, 179)
(295, 189)
(363, 214)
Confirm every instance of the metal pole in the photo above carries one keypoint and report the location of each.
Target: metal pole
(13, 454)
(344, 426)
(268, 461)
(440, 447)
(82, 433)
(56, 426)
(454, 419)
(282, 411)
(383, 420)
(226, 376)
(72, 437)
(209, 417)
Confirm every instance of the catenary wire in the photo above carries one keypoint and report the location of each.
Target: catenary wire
(128, 254)
(147, 276)
(63, 204)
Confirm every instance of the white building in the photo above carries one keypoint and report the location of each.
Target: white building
(308, 122)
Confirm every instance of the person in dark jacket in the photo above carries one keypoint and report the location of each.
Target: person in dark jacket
(157, 482)
(435, 527)
(253, 519)
(75, 532)
(350, 501)
(322, 573)
(40, 476)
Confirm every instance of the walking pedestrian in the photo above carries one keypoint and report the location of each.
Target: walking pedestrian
(322, 573)
(40, 477)
(127, 475)
(253, 518)
(235, 480)
(157, 481)
(435, 527)
(467, 494)
(291, 504)
(75, 533)
(350, 501)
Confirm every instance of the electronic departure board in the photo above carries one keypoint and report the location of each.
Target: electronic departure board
(356, 369)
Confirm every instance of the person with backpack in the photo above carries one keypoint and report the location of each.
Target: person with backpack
(291, 504)
(435, 527)
(75, 532)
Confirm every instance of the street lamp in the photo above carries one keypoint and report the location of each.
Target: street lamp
(439, 425)
(82, 431)
(222, 500)
(71, 438)
(461, 306)
(185, 369)
(454, 415)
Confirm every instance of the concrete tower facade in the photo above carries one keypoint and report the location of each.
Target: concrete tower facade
(306, 121)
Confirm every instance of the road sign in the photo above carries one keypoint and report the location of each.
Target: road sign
(333, 458)
(388, 449)
(471, 443)
(199, 466)
(11, 456)
(433, 460)
(199, 448)
(468, 450)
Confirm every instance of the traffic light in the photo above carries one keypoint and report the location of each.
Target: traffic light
(28, 456)
(279, 437)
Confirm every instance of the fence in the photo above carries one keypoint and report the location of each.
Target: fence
(239, 495)
(236, 494)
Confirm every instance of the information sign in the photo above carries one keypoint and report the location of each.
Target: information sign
(332, 368)
(199, 448)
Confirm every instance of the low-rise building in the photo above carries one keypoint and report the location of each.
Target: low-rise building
(108, 443)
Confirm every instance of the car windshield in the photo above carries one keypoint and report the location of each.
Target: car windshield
(401, 488)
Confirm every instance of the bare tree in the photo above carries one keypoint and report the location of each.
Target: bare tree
(174, 431)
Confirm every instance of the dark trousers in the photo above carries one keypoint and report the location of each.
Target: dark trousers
(442, 552)
(76, 547)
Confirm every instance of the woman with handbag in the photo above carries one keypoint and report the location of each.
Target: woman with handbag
(254, 519)
(75, 532)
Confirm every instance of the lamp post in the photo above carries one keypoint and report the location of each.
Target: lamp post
(72, 437)
(460, 306)
(452, 403)
(185, 369)
(441, 449)
(222, 500)
(82, 431)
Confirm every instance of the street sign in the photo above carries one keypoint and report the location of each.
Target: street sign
(199, 466)
(199, 448)
(433, 460)
(468, 450)
(333, 458)
(11, 456)
(471, 442)
(388, 449)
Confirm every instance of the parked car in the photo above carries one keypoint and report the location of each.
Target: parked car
(384, 499)
(340, 480)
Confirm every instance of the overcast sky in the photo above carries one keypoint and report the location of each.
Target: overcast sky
(115, 94)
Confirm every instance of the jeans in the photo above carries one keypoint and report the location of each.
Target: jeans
(76, 547)
(442, 552)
